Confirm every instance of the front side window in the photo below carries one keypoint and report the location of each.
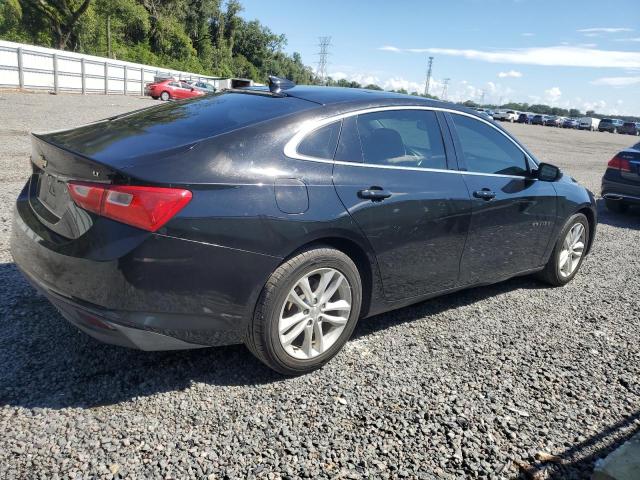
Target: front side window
(486, 150)
(321, 143)
(403, 138)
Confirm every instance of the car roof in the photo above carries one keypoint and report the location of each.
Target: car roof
(344, 99)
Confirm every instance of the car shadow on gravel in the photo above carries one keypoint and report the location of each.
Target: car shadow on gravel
(629, 219)
(45, 362)
(443, 303)
(48, 363)
(578, 460)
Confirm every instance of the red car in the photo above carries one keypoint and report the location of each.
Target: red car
(168, 89)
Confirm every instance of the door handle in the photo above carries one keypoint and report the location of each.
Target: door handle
(484, 194)
(375, 194)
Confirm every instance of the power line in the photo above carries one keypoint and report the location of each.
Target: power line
(324, 44)
(428, 81)
(445, 87)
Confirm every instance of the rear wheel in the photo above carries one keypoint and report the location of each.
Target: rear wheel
(617, 206)
(568, 253)
(165, 96)
(306, 311)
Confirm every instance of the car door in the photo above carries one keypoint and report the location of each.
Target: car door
(513, 214)
(392, 175)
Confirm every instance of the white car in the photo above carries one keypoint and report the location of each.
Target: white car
(506, 115)
(588, 123)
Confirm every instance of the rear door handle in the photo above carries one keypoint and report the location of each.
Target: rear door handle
(375, 194)
(484, 194)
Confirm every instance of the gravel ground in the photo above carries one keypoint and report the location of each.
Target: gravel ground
(508, 381)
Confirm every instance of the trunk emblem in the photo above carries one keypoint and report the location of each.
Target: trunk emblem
(95, 173)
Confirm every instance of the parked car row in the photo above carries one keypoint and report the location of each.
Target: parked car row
(172, 89)
(611, 125)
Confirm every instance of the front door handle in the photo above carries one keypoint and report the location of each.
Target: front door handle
(484, 194)
(375, 194)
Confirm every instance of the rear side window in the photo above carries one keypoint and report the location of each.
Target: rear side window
(403, 138)
(321, 143)
(486, 150)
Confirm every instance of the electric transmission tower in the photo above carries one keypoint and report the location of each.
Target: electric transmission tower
(324, 44)
(445, 87)
(428, 81)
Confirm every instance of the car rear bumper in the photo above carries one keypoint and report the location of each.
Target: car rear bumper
(142, 290)
(618, 191)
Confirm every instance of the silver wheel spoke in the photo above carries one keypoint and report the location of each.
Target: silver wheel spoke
(307, 343)
(287, 323)
(292, 335)
(306, 289)
(319, 336)
(331, 289)
(339, 306)
(295, 298)
(325, 279)
(332, 319)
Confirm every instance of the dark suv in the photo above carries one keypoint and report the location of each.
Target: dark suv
(611, 125)
(630, 128)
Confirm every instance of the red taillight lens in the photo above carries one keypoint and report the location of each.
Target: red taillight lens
(620, 163)
(148, 208)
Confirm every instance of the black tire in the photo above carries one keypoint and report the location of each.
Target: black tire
(263, 337)
(551, 272)
(155, 98)
(165, 96)
(617, 206)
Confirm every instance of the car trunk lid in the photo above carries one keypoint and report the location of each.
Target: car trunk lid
(52, 168)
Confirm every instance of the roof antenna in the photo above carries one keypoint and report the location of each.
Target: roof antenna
(277, 84)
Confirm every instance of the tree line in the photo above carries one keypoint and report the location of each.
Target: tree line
(201, 36)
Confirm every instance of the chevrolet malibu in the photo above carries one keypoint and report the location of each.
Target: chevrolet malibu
(280, 217)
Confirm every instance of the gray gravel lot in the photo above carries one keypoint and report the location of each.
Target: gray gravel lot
(474, 384)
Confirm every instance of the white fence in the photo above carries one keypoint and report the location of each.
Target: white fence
(31, 67)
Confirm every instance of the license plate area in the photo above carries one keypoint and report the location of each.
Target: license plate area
(53, 194)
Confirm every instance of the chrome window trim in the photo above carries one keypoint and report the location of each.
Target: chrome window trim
(290, 149)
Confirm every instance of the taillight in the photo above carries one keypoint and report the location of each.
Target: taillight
(148, 208)
(620, 163)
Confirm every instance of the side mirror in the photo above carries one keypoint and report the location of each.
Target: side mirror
(548, 173)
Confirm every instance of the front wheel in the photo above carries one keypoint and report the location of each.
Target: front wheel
(306, 311)
(165, 96)
(568, 253)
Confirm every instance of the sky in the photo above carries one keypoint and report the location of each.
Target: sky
(572, 54)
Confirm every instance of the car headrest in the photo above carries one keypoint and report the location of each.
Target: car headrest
(383, 143)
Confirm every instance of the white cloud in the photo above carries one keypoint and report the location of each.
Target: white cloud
(633, 39)
(552, 95)
(510, 74)
(362, 79)
(605, 30)
(549, 56)
(528, 34)
(390, 48)
(616, 81)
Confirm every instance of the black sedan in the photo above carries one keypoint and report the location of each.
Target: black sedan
(621, 180)
(279, 218)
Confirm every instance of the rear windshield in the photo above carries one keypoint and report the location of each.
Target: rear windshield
(172, 124)
(606, 120)
(629, 124)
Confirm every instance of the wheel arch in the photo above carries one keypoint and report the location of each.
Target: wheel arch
(591, 218)
(363, 258)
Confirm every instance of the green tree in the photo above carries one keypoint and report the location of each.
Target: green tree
(64, 19)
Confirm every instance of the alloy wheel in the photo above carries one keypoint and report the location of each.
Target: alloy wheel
(315, 313)
(572, 250)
